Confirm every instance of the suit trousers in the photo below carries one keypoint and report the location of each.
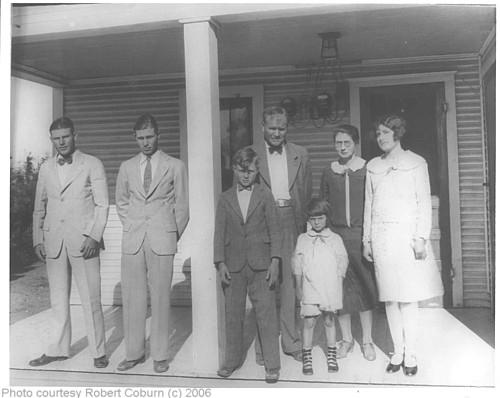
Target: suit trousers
(264, 303)
(289, 328)
(138, 271)
(88, 280)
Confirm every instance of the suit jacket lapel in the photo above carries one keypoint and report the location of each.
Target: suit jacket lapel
(263, 163)
(136, 177)
(160, 171)
(74, 171)
(54, 173)
(293, 162)
(255, 198)
(232, 199)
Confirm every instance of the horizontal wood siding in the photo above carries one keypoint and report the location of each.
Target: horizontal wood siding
(105, 113)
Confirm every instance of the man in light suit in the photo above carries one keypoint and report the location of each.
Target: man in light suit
(285, 170)
(152, 203)
(70, 214)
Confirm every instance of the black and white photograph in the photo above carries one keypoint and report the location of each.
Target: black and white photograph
(250, 195)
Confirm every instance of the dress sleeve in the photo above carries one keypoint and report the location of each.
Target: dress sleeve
(298, 257)
(367, 214)
(424, 203)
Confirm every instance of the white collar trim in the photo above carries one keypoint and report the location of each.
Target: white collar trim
(355, 164)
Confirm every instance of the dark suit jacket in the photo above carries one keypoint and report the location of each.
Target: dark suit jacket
(255, 240)
(162, 213)
(299, 178)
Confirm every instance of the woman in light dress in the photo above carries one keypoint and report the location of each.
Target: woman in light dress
(343, 185)
(396, 230)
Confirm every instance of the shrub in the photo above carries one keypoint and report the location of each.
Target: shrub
(22, 197)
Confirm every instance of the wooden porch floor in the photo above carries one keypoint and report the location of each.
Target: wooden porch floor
(450, 354)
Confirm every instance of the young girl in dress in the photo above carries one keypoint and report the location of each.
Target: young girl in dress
(319, 264)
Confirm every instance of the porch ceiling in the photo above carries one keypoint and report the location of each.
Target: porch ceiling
(287, 41)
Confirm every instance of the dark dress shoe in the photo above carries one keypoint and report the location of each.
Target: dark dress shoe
(259, 360)
(127, 365)
(160, 366)
(225, 372)
(45, 360)
(410, 370)
(101, 362)
(391, 368)
(272, 376)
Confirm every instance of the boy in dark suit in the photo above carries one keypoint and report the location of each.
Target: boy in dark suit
(247, 250)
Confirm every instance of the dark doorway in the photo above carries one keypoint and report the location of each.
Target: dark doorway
(424, 108)
(236, 132)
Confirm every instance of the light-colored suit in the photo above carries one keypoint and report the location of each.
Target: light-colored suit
(64, 215)
(292, 222)
(152, 225)
(246, 246)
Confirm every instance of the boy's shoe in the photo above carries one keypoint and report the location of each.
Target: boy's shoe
(272, 376)
(331, 360)
(344, 348)
(307, 365)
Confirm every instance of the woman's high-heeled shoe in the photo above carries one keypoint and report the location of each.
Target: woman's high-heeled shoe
(410, 370)
(393, 368)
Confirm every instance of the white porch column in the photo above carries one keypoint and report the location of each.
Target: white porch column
(204, 163)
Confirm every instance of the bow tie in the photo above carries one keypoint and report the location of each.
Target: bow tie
(278, 149)
(240, 188)
(63, 160)
(317, 236)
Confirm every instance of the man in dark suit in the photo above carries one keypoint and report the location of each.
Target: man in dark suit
(70, 214)
(247, 249)
(285, 171)
(152, 203)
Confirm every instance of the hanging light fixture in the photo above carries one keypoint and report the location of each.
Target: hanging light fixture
(325, 101)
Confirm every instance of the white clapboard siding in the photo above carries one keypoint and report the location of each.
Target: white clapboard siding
(104, 114)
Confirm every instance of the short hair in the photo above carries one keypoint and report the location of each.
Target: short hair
(393, 121)
(351, 131)
(244, 158)
(318, 207)
(146, 121)
(62, 123)
(273, 111)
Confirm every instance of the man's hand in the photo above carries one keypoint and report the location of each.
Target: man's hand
(90, 247)
(40, 251)
(419, 249)
(224, 274)
(273, 272)
(367, 252)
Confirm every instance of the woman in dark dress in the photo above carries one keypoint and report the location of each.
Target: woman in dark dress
(342, 185)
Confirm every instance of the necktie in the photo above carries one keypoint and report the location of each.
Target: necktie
(273, 149)
(240, 188)
(63, 160)
(147, 174)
